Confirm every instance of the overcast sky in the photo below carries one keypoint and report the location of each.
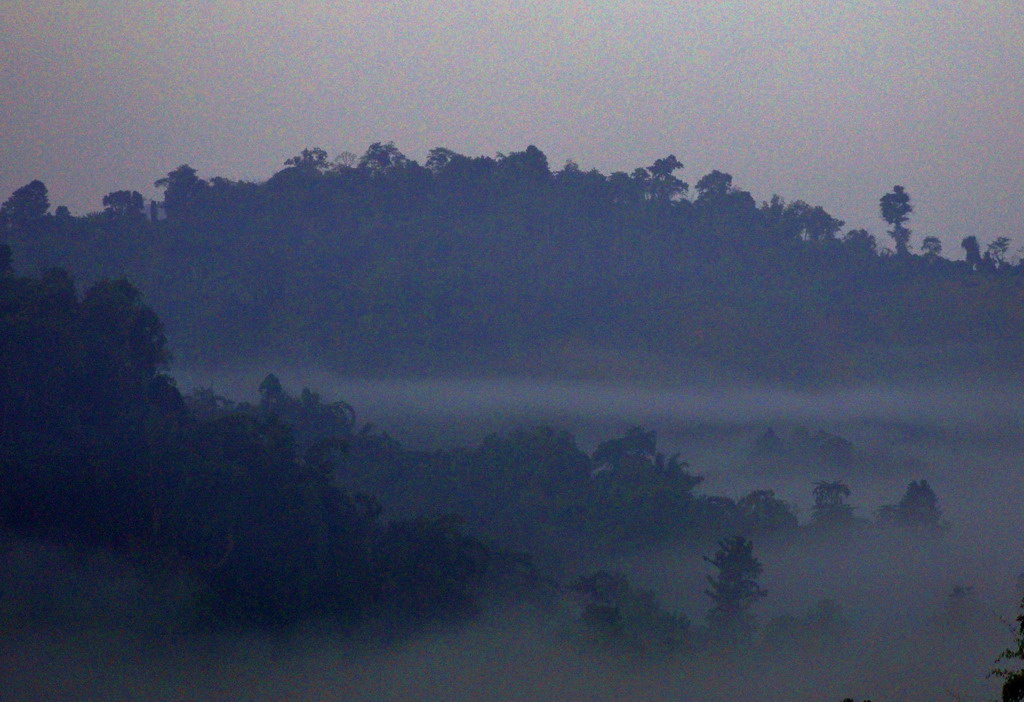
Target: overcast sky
(832, 102)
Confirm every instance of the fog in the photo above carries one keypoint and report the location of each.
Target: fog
(926, 616)
(908, 642)
(712, 427)
(461, 400)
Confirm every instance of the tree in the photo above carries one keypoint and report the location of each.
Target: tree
(1013, 680)
(918, 508)
(182, 187)
(663, 185)
(439, 157)
(272, 395)
(314, 159)
(380, 158)
(972, 251)
(761, 510)
(995, 252)
(896, 209)
(25, 208)
(526, 166)
(830, 506)
(345, 160)
(861, 241)
(734, 590)
(636, 442)
(123, 342)
(615, 612)
(429, 567)
(819, 225)
(714, 185)
(931, 247)
(124, 204)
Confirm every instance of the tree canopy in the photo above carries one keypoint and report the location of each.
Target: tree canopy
(482, 262)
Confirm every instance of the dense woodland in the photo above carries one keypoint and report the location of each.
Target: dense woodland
(279, 509)
(377, 264)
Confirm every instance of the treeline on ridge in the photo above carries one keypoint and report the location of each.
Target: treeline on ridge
(380, 264)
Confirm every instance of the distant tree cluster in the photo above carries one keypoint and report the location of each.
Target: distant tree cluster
(376, 261)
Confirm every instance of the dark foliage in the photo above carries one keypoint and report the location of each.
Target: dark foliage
(377, 263)
(1013, 678)
(830, 508)
(917, 509)
(98, 448)
(615, 613)
(734, 589)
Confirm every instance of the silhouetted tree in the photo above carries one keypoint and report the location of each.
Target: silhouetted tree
(272, 395)
(313, 160)
(380, 158)
(1013, 678)
(820, 225)
(529, 166)
(896, 209)
(761, 510)
(714, 185)
(124, 204)
(931, 247)
(24, 209)
(430, 568)
(995, 252)
(972, 251)
(439, 157)
(182, 188)
(918, 508)
(734, 589)
(861, 242)
(636, 442)
(830, 506)
(663, 185)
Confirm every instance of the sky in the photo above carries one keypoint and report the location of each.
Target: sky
(831, 101)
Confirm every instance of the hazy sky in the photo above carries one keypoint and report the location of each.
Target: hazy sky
(829, 101)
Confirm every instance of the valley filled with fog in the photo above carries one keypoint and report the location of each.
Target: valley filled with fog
(917, 615)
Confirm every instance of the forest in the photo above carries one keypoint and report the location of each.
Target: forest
(476, 264)
(282, 511)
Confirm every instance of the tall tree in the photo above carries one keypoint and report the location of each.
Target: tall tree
(664, 185)
(995, 252)
(182, 187)
(972, 251)
(734, 590)
(896, 209)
